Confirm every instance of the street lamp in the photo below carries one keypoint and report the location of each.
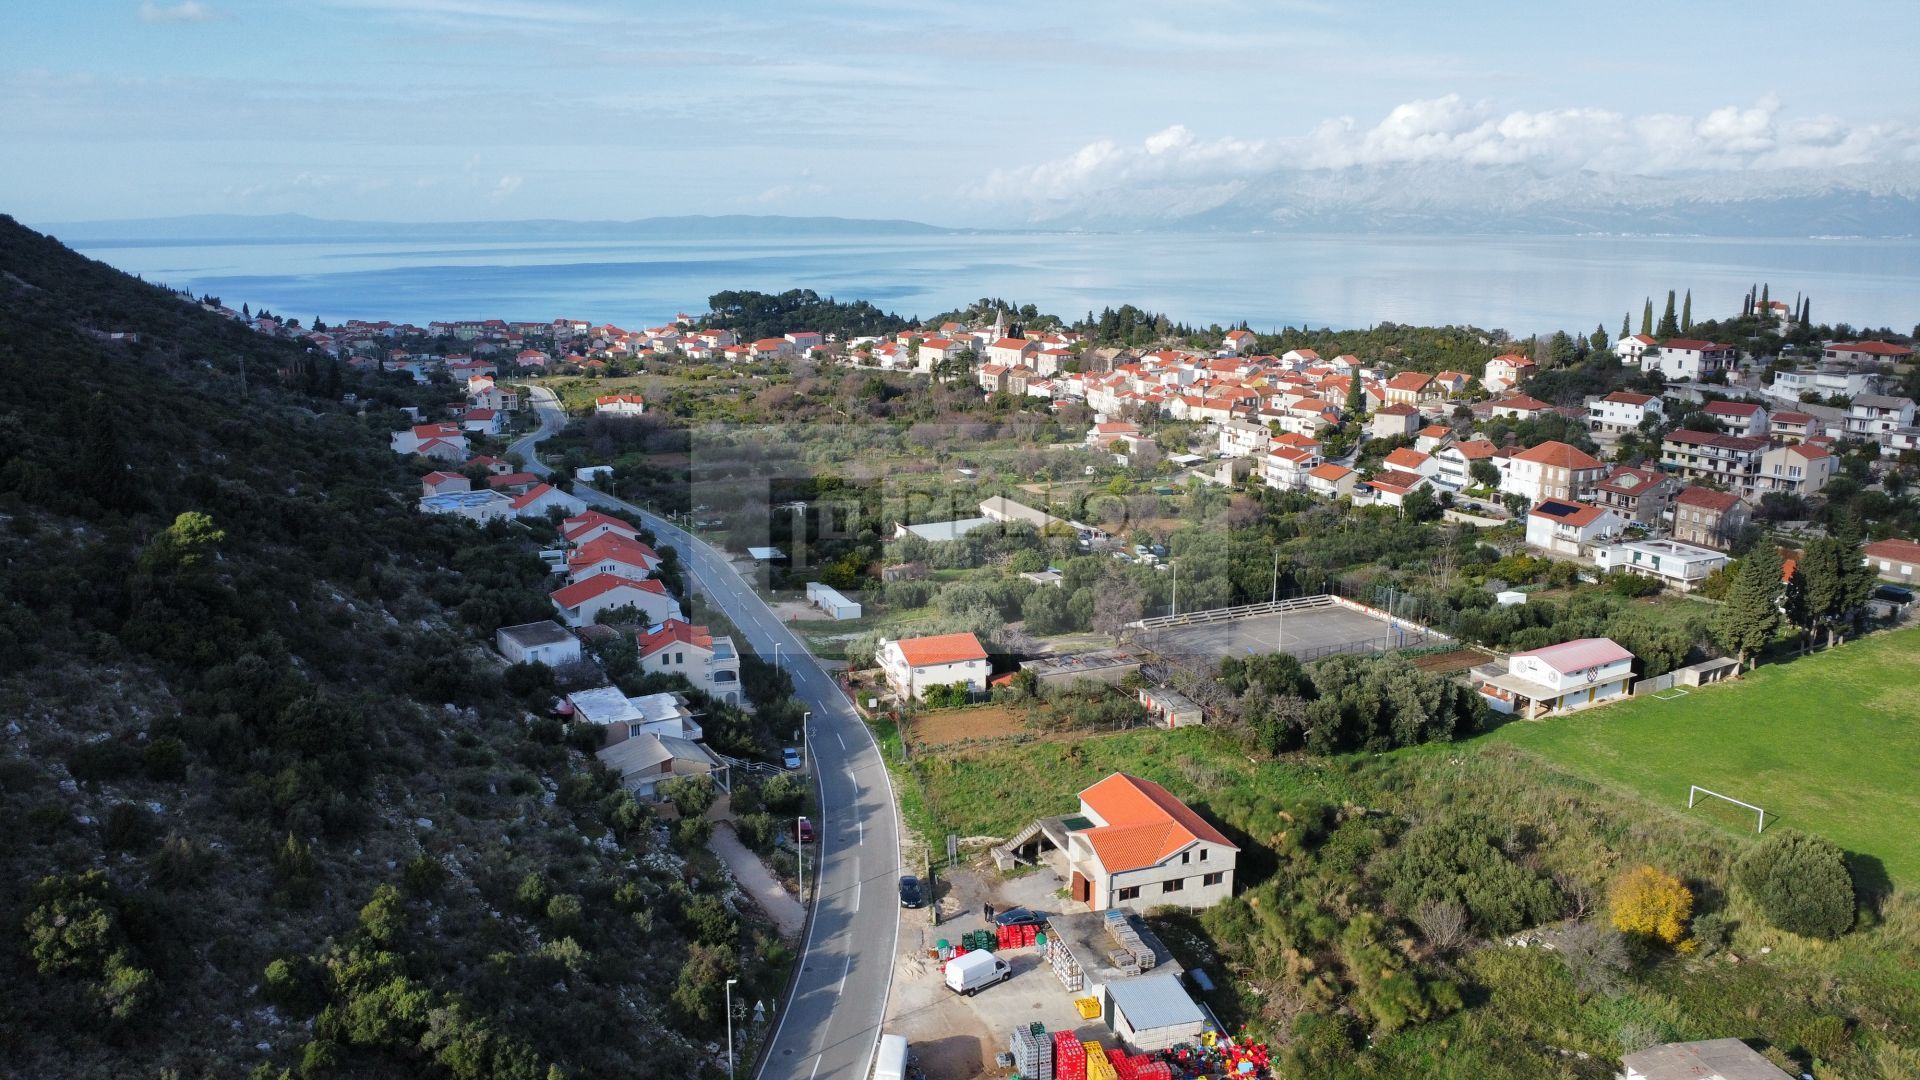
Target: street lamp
(776, 656)
(800, 853)
(730, 983)
(805, 758)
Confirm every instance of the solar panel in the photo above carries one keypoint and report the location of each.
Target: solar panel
(1557, 508)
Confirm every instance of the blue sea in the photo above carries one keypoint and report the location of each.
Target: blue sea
(1520, 284)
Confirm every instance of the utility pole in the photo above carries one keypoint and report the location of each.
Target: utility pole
(1276, 577)
(1176, 587)
(800, 852)
(729, 989)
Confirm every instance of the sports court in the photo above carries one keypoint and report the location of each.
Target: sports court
(1308, 633)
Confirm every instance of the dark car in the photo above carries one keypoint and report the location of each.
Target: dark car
(1893, 594)
(1019, 917)
(911, 895)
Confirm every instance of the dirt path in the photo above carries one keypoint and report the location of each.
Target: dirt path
(758, 882)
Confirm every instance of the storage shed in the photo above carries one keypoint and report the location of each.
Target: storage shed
(1153, 1012)
(829, 600)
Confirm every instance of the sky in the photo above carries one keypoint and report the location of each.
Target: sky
(956, 114)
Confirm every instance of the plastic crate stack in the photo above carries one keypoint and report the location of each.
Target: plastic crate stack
(1020, 937)
(1153, 1070)
(1032, 1053)
(1122, 1064)
(1098, 1065)
(1069, 1057)
(1121, 930)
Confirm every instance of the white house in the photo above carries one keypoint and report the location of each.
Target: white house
(913, 665)
(612, 553)
(1453, 465)
(1566, 527)
(1631, 348)
(481, 421)
(1877, 416)
(1145, 849)
(476, 506)
(1689, 358)
(440, 483)
(444, 441)
(1621, 411)
(1739, 417)
(581, 602)
(545, 642)
(1557, 679)
(1286, 467)
(1823, 381)
(1798, 469)
(1241, 439)
(1893, 559)
(1011, 351)
(583, 529)
(710, 663)
(1392, 487)
(1868, 352)
(1553, 470)
(646, 760)
(1331, 481)
(1677, 565)
(542, 498)
(1505, 372)
(620, 405)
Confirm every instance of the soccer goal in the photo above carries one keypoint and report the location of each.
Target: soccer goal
(1694, 791)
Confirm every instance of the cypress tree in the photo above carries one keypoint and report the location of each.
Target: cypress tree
(1806, 311)
(1686, 314)
(1646, 318)
(1669, 324)
(1751, 616)
(1625, 322)
(1766, 303)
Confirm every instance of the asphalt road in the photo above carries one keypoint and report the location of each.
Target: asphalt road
(831, 1026)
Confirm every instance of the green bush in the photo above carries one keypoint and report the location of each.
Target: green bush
(1800, 883)
(1457, 859)
(130, 827)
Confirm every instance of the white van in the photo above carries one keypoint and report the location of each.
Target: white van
(971, 972)
(890, 1060)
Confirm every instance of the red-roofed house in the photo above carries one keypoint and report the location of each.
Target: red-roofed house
(914, 665)
(1557, 679)
(1504, 372)
(776, 348)
(1391, 488)
(1517, 406)
(1408, 388)
(1798, 469)
(1621, 411)
(1135, 846)
(542, 499)
(514, 483)
(1689, 358)
(1330, 480)
(1407, 459)
(1564, 527)
(1631, 349)
(1393, 421)
(1637, 495)
(710, 663)
(581, 602)
(1708, 518)
(416, 439)
(585, 528)
(439, 483)
(481, 421)
(1739, 417)
(1893, 559)
(1868, 351)
(1011, 351)
(620, 405)
(1553, 470)
(612, 554)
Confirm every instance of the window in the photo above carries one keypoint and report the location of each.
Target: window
(1213, 879)
(679, 658)
(1203, 854)
(1131, 892)
(1186, 857)
(1175, 885)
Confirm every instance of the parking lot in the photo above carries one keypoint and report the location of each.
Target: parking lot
(1309, 634)
(953, 1036)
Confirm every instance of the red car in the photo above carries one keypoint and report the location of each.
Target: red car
(806, 831)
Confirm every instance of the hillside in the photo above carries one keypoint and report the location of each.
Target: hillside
(273, 807)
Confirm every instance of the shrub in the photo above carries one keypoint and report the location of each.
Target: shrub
(1652, 902)
(130, 827)
(1456, 859)
(1800, 883)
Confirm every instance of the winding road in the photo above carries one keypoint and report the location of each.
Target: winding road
(831, 1025)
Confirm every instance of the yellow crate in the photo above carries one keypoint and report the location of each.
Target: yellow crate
(1089, 1007)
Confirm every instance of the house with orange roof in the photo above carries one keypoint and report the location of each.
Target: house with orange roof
(1393, 421)
(543, 499)
(1285, 468)
(612, 554)
(1011, 351)
(1136, 847)
(1392, 487)
(915, 665)
(1428, 439)
(711, 664)
(1565, 527)
(1408, 388)
(439, 483)
(620, 405)
(582, 529)
(1504, 372)
(1621, 411)
(582, 602)
(1407, 459)
(1553, 470)
(1330, 480)
(1453, 465)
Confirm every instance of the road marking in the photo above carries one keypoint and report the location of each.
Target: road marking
(844, 972)
(841, 741)
(816, 1067)
(856, 895)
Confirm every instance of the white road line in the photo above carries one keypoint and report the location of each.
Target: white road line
(844, 972)
(816, 1067)
(841, 741)
(856, 894)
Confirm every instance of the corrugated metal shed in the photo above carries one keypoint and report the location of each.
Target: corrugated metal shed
(1155, 1001)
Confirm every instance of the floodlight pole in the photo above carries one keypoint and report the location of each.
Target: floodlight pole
(729, 989)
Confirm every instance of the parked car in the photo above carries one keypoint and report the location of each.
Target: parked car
(1893, 594)
(1019, 917)
(911, 895)
(805, 829)
(791, 756)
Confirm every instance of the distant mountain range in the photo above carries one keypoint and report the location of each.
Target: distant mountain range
(299, 227)
(1872, 201)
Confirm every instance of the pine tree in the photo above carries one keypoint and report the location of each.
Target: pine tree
(1751, 616)
(1356, 398)
(1646, 319)
(1669, 324)
(246, 313)
(1686, 314)
(1626, 321)
(1599, 338)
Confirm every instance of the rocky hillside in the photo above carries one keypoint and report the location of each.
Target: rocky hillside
(273, 809)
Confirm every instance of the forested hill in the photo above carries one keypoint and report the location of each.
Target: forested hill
(270, 808)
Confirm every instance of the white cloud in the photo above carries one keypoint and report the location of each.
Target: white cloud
(504, 190)
(186, 11)
(1454, 130)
